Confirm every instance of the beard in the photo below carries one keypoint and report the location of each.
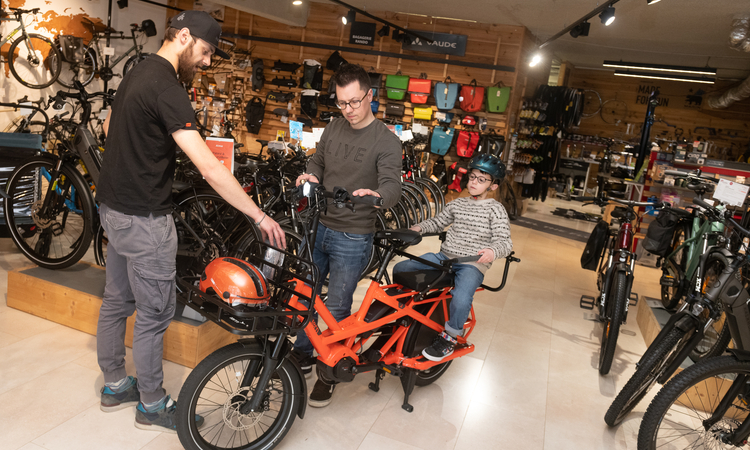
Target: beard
(186, 68)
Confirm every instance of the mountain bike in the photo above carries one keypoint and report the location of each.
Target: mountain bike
(33, 59)
(249, 392)
(706, 405)
(90, 61)
(614, 276)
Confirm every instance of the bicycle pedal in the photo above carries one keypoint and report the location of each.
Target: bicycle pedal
(633, 299)
(668, 281)
(587, 302)
(56, 229)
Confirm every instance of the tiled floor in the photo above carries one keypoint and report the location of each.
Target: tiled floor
(531, 383)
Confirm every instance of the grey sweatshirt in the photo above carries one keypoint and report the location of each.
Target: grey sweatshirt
(369, 158)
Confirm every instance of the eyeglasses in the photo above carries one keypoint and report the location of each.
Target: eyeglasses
(481, 180)
(354, 103)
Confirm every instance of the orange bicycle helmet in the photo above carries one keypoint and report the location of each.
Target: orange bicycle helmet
(237, 282)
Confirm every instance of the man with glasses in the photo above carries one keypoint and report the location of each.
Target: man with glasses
(360, 154)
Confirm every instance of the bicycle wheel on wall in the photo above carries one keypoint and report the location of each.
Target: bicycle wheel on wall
(35, 62)
(49, 214)
(82, 71)
(132, 61)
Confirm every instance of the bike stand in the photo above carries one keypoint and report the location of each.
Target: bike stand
(407, 381)
(379, 375)
(587, 302)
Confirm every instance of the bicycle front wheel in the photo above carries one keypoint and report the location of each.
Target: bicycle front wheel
(699, 408)
(49, 213)
(614, 317)
(221, 385)
(82, 71)
(34, 61)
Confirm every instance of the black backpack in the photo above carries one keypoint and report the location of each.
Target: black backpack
(254, 112)
(659, 234)
(595, 246)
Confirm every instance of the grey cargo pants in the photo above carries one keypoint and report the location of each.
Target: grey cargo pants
(140, 277)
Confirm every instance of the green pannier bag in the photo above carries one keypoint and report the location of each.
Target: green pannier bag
(396, 86)
(497, 98)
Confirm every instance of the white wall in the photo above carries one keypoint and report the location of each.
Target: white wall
(11, 90)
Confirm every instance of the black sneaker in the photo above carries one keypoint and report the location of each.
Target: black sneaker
(441, 347)
(115, 401)
(306, 362)
(162, 419)
(321, 394)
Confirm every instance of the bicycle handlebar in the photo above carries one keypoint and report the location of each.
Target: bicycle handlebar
(601, 201)
(712, 210)
(340, 195)
(694, 174)
(25, 11)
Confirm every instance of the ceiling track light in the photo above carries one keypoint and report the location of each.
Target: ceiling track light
(385, 31)
(349, 17)
(535, 60)
(297, 2)
(582, 29)
(661, 68)
(665, 76)
(608, 15)
(408, 34)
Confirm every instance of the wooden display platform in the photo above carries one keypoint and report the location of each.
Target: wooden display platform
(73, 296)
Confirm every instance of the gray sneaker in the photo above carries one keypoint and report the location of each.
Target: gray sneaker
(115, 401)
(162, 419)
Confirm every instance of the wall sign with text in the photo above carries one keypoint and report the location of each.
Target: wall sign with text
(443, 43)
(362, 33)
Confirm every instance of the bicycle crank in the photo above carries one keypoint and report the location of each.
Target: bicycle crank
(106, 74)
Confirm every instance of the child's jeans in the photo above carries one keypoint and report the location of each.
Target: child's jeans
(468, 278)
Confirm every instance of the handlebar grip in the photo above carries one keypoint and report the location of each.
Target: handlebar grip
(703, 204)
(367, 200)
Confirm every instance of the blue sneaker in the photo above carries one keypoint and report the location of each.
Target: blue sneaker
(163, 419)
(115, 401)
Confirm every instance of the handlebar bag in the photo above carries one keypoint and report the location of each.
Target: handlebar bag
(423, 113)
(497, 98)
(419, 89)
(396, 85)
(394, 110)
(72, 48)
(441, 140)
(471, 97)
(149, 28)
(446, 94)
(659, 234)
(595, 246)
(466, 143)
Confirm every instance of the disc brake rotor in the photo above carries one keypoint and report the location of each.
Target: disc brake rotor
(237, 421)
(40, 221)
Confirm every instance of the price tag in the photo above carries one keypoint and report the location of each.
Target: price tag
(103, 114)
(731, 193)
(108, 51)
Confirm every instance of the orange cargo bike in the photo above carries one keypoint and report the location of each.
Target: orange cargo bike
(250, 392)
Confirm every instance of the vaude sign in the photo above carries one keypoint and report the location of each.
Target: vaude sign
(443, 43)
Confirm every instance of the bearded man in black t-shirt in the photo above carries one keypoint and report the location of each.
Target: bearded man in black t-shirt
(152, 115)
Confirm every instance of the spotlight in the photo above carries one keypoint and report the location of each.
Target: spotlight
(535, 60)
(385, 31)
(122, 4)
(349, 17)
(398, 36)
(297, 2)
(651, 2)
(608, 16)
(582, 29)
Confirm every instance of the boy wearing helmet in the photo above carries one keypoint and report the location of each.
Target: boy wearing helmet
(479, 227)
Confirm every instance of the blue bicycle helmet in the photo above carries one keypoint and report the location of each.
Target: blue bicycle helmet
(490, 164)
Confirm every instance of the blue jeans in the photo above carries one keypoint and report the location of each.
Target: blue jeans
(467, 280)
(343, 256)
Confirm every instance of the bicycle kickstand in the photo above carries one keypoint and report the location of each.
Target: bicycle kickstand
(379, 375)
(407, 382)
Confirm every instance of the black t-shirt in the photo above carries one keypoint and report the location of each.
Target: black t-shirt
(139, 159)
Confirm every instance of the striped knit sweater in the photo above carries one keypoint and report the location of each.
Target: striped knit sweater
(477, 224)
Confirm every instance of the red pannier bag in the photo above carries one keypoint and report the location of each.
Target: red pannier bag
(471, 97)
(466, 144)
(419, 89)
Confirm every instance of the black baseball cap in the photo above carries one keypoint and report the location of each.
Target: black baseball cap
(201, 25)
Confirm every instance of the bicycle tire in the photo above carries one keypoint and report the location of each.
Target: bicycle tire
(402, 214)
(592, 103)
(220, 374)
(675, 266)
(432, 196)
(419, 337)
(717, 337)
(438, 190)
(83, 71)
(132, 62)
(391, 219)
(423, 202)
(100, 246)
(58, 234)
(509, 201)
(616, 314)
(704, 378)
(413, 202)
(614, 112)
(44, 66)
(651, 367)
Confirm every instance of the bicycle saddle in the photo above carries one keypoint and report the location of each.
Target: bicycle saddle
(408, 237)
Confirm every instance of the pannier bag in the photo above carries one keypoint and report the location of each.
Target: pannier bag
(497, 98)
(471, 97)
(72, 48)
(309, 103)
(446, 94)
(441, 140)
(444, 117)
(335, 61)
(458, 171)
(492, 144)
(312, 75)
(285, 67)
(258, 78)
(376, 80)
(328, 99)
(466, 143)
(659, 234)
(374, 105)
(594, 246)
(423, 113)
(394, 110)
(419, 89)
(254, 112)
(396, 85)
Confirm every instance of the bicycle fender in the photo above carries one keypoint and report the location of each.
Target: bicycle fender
(742, 355)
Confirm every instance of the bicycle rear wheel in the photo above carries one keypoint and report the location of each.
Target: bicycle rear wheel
(423, 202)
(82, 71)
(687, 412)
(614, 317)
(35, 62)
(434, 195)
(49, 213)
(132, 62)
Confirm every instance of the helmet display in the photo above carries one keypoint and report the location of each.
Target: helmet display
(237, 282)
(490, 164)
